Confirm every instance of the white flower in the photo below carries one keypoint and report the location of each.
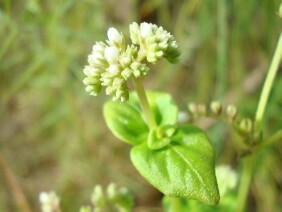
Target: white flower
(226, 177)
(44, 197)
(112, 54)
(49, 201)
(146, 30)
(155, 42)
(114, 35)
(113, 63)
(114, 69)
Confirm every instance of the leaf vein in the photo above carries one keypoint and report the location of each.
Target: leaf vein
(189, 164)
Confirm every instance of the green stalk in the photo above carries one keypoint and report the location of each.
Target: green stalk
(144, 103)
(248, 164)
(246, 177)
(175, 203)
(277, 136)
(268, 85)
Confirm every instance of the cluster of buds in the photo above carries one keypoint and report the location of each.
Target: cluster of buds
(111, 199)
(112, 64)
(216, 110)
(155, 42)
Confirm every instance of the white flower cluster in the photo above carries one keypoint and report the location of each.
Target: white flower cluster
(156, 42)
(227, 179)
(50, 202)
(111, 64)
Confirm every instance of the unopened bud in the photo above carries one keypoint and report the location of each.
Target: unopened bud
(193, 108)
(146, 30)
(98, 197)
(246, 125)
(112, 54)
(231, 112)
(112, 191)
(216, 107)
(114, 35)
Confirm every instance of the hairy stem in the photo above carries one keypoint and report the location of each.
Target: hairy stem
(144, 103)
(268, 84)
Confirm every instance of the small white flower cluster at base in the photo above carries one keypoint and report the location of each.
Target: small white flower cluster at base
(50, 202)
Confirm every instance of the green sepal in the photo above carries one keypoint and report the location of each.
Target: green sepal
(184, 168)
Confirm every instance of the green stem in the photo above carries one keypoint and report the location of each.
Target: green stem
(246, 176)
(144, 103)
(175, 204)
(248, 164)
(268, 84)
(272, 140)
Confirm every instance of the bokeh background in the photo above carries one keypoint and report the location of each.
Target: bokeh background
(52, 133)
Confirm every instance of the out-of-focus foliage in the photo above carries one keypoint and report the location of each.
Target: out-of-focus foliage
(52, 134)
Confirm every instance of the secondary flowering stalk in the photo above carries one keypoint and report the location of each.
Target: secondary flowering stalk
(268, 84)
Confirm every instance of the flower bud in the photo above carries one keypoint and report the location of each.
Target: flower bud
(112, 191)
(98, 198)
(114, 35)
(112, 54)
(231, 112)
(193, 108)
(146, 30)
(216, 107)
(134, 32)
(114, 69)
(246, 125)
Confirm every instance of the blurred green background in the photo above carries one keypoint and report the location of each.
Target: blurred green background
(52, 133)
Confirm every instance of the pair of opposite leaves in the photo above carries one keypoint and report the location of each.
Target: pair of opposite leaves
(179, 161)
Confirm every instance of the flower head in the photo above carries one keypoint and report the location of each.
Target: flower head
(155, 41)
(112, 64)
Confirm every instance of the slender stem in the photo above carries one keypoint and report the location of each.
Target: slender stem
(144, 103)
(246, 176)
(268, 84)
(272, 140)
(248, 164)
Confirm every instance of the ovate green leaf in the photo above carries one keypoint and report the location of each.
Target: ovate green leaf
(125, 122)
(184, 168)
